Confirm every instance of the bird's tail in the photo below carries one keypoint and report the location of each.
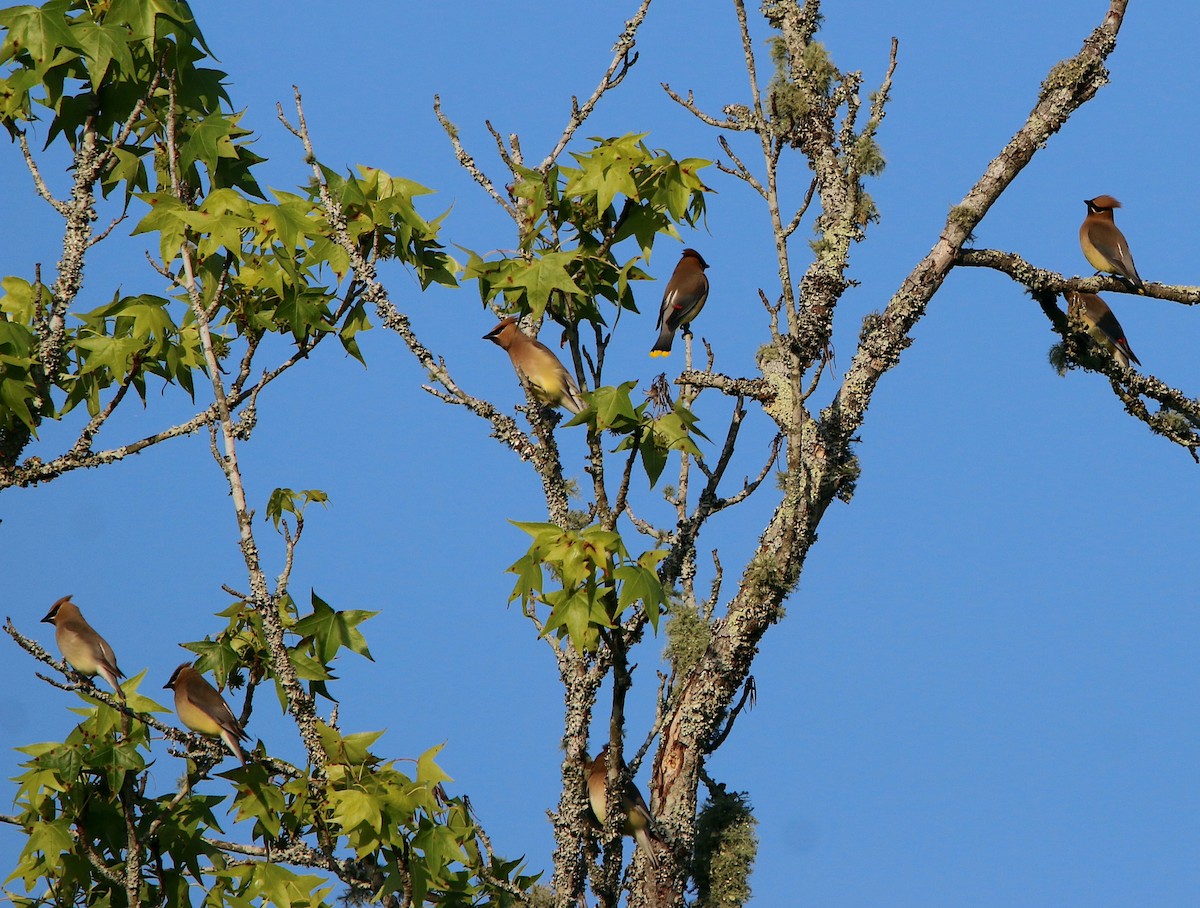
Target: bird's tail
(572, 400)
(642, 837)
(662, 346)
(231, 740)
(113, 678)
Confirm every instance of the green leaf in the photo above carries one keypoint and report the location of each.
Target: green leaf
(355, 321)
(614, 408)
(543, 276)
(428, 772)
(101, 44)
(529, 578)
(537, 530)
(169, 218)
(351, 808)
(347, 750)
(333, 630)
(37, 31)
(51, 838)
(284, 888)
(654, 460)
(439, 848)
(573, 613)
(292, 220)
(285, 500)
(209, 141)
(257, 798)
(18, 300)
(641, 584)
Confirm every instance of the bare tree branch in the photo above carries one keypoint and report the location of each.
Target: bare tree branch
(623, 60)
(1043, 279)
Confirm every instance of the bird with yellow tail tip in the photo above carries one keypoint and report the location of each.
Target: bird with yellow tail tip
(1101, 325)
(1104, 246)
(536, 364)
(204, 710)
(88, 652)
(686, 293)
(637, 814)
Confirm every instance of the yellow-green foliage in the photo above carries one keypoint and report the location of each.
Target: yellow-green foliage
(867, 157)
(799, 82)
(725, 850)
(688, 636)
(819, 71)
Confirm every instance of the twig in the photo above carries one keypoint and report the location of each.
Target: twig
(39, 183)
(464, 159)
(749, 694)
(504, 428)
(621, 63)
(299, 703)
(689, 104)
(743, 172)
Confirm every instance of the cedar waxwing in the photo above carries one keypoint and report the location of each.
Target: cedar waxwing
(87, 651)
(1104, 245)
(637, 814)
(1101, 325)
(536, 363)
(682, 300)
(202, 709)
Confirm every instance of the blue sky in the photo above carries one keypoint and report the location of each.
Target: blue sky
(984, 690)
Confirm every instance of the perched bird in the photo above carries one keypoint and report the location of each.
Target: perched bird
(1104, 245)
(202, 709)
(682, 300)
(1102, 325)
(80, 645)
(537, 364)
(637, 814)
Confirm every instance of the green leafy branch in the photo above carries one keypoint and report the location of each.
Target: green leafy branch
(595, 582)
(620, 190)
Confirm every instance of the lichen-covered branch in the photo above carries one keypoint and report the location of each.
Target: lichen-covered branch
(1043, 279)
(299, 703)
(1178, 416)
(807, 97)
(1068, 86)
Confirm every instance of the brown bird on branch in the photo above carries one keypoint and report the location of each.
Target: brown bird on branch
(537, 365)
(686, 293)
(637, 814)
(204, 710)
(1101, 324)
(88, 652)
(1104, 246)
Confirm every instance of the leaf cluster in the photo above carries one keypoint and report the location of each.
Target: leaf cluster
(87, 811)
(595, 582)
(572, 218)
(321, 634)
(651, 436)
(122, 83)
